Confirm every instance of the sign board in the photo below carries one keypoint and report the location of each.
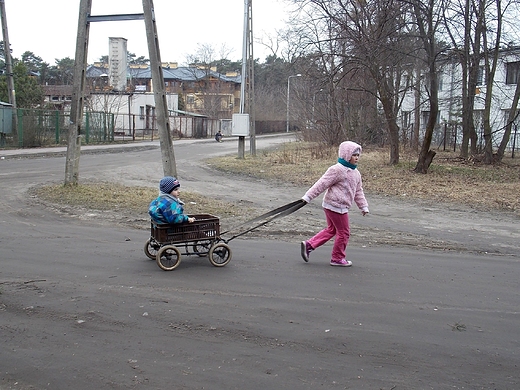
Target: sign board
(240, 125)
(226, 126)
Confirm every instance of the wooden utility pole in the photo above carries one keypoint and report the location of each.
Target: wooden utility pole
(161, 106)
(9, 69)
(78, 93)
(77, 104)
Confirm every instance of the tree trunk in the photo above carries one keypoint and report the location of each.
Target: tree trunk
(511, 118)
(417, 111)
(393, 128)
(426, 155)
(424, 162)
(491, 62)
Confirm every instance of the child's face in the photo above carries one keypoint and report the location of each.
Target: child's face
(175, 193)
(354, 159)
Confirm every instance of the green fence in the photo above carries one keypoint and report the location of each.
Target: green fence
(37, 128)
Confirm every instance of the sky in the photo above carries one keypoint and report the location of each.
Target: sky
(48, 28)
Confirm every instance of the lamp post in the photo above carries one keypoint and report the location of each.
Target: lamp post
(313, 107)
(288, 95)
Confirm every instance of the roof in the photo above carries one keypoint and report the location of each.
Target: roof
(187, 113)
(183, 73)
(57, 90)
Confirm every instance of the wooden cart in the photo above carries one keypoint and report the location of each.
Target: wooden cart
(167, 243)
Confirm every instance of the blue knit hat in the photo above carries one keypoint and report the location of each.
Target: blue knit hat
(168, 184)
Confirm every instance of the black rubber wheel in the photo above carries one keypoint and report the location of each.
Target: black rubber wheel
(201, 248)
(151, 250)
(219, 254)
(168, 258)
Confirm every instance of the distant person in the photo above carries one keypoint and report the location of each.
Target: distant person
(167, 208)
(218, 136)
(343, 186)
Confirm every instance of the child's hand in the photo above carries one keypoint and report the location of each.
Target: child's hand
(191, 219)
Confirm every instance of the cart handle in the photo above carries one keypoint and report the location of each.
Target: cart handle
(279, 212)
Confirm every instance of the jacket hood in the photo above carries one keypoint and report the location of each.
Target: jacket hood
(347, 149)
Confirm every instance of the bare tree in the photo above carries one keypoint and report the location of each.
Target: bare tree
(476, 30)
(215, 96)
(513, 114)
(464, 21)
(490, 63)
(496, 20)
(427, 19)
(363, 47)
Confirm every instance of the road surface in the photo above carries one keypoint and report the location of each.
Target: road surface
(81, 307)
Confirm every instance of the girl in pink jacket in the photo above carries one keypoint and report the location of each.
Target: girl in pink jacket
(342, 185)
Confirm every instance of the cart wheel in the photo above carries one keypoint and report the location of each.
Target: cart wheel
(150, 249)
(168, 258)
(201, 248)
(219, 254)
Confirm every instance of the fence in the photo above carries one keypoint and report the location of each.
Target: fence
(37, 128)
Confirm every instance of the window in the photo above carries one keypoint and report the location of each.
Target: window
(141, 112)
(406, 119)
(424, 120)
(190, 99)
(512, 72)
(481, 76)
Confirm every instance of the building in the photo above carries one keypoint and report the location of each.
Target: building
(202, 91)
(126, 93)
(117, 63)
(449, 128)
(57, 96)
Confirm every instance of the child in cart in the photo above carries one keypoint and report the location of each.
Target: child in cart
(167, 208)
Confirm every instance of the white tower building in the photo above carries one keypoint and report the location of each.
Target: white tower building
(117, 63)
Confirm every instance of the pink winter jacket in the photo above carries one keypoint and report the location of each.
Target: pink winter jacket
(342, 184)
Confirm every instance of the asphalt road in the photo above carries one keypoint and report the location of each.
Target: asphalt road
(81, 306)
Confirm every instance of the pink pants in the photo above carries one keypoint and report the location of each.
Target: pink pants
(337, 225)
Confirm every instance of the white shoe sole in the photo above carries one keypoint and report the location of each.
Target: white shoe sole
(348, 264)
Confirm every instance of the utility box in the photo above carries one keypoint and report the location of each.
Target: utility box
(6, 118)
(240, 126)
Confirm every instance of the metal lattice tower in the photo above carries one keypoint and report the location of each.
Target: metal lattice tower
(250, 85)
(247, 85)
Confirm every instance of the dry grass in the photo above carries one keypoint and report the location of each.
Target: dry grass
(135, 200)
(450, 180)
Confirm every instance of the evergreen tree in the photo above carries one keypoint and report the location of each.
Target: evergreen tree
(29, 93)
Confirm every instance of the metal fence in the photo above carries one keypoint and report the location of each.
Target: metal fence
(38, 128)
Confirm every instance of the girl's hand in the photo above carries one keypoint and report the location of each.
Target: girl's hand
(191, 219)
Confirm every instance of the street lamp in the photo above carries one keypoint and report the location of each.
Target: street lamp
(288, 95)
(313, 107)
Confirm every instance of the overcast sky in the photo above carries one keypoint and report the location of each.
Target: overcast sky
(49, 28)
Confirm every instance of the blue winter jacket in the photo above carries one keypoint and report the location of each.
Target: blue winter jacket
(166, 209)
